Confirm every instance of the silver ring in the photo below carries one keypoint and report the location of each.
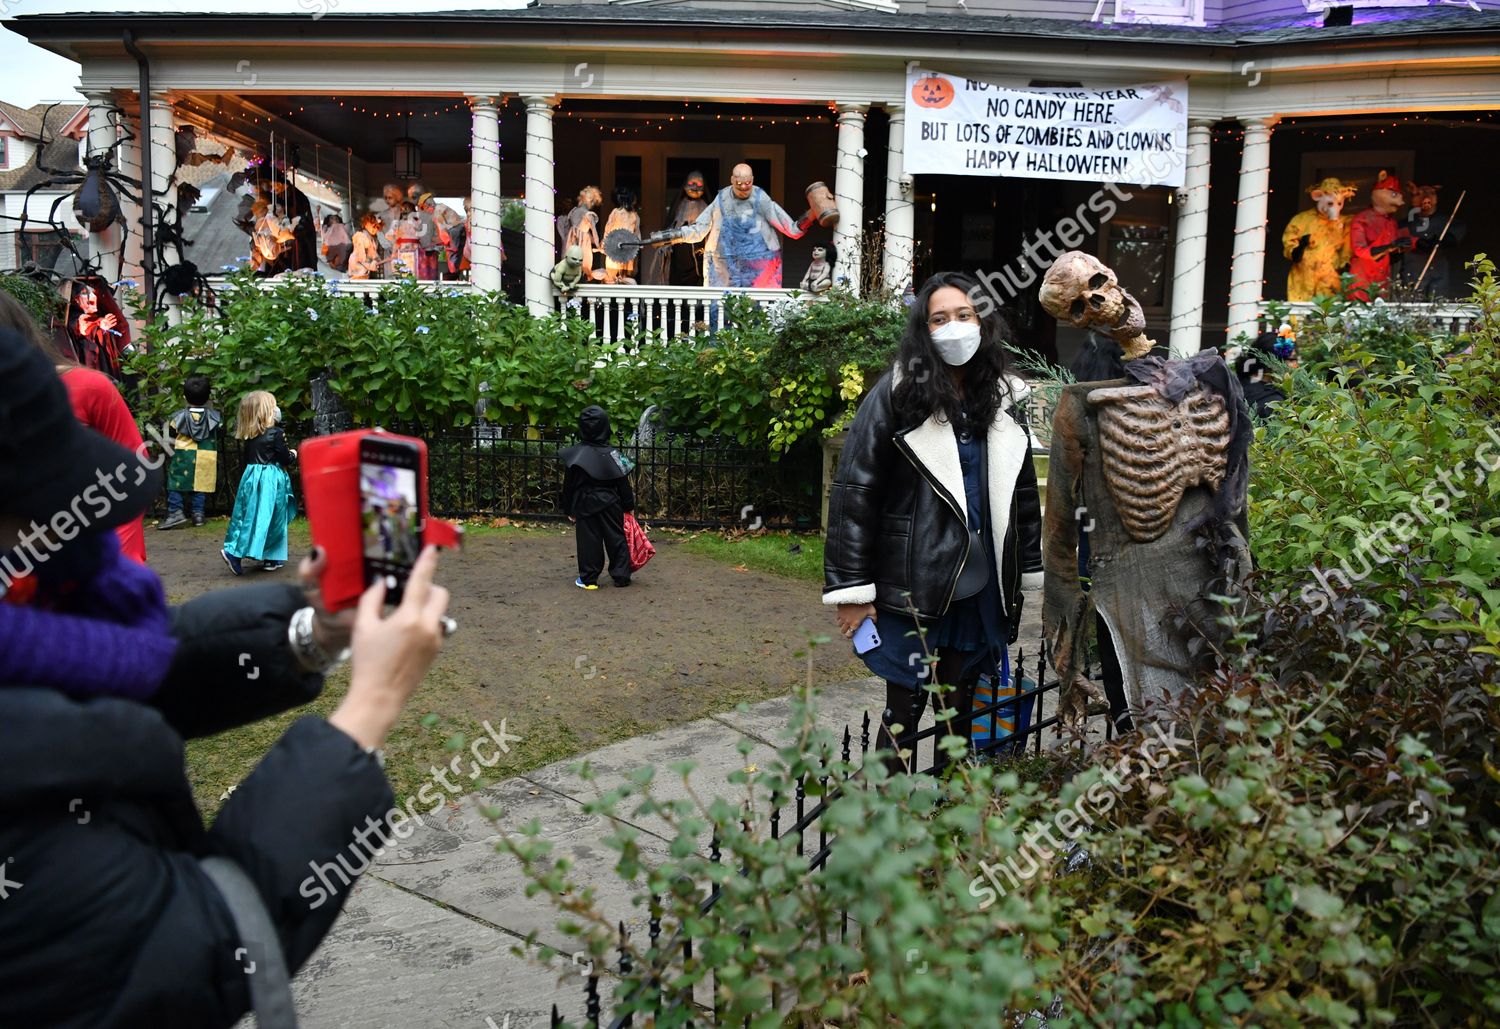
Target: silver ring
(449, 626)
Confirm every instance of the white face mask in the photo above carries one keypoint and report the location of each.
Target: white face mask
(956, 342)
(276, 415)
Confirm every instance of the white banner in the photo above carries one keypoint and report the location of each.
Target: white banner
(1132, 134)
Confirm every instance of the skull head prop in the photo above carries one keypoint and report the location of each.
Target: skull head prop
(1081, 290)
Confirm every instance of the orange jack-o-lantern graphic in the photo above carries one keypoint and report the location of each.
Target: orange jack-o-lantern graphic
(932, 91)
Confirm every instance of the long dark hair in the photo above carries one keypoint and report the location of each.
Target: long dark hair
(925, 388)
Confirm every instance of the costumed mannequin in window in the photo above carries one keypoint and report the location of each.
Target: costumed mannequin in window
(580, 228)
(740, 228)
(1374, 234)
(680, 264)
(1153, 469)
(97, 327)
(298, 215)
(624, 216)
(1316, 241)
(1426, 225)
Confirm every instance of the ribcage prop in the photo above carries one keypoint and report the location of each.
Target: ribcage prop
(1153, 450)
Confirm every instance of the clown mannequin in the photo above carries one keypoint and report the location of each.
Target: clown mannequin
(741, 226)
(1317, 242)
(1425, 225)
(1374, 235)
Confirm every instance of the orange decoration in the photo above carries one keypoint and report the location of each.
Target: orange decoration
(932, 91)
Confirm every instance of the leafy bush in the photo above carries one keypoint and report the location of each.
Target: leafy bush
(37, 297)
(1371, 456)
(420, 356)
(1311, 838)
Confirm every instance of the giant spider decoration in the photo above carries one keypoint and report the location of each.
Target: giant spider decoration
(96, 201)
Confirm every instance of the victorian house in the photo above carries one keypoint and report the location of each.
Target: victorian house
(527, 106)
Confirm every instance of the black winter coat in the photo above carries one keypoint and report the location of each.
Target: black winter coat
(897, 520)
(269, 447)
(113, 923)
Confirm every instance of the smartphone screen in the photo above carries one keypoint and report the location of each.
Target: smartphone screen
(391, 523)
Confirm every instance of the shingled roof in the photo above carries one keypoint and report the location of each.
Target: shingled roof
(61, 151)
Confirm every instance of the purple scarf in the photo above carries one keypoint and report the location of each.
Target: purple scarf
(108, 636)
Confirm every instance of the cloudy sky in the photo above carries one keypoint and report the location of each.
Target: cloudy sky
(32, 75)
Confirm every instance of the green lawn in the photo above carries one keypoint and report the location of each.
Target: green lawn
(795, 555)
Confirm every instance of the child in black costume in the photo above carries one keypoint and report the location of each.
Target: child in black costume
(596, 495)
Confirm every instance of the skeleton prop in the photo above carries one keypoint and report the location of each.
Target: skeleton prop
(1149, 474)
(1316, 241)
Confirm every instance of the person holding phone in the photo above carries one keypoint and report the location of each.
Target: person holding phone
(934, 523)
(118, 906)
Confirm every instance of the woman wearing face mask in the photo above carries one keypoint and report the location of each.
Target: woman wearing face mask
(934, 509)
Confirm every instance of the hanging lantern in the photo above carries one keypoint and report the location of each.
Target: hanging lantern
(406, 155)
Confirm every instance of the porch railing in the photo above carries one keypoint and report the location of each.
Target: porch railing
(1444, 316)
(620, 312)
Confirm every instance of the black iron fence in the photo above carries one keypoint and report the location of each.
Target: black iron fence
(679, 479)
(1023, 706)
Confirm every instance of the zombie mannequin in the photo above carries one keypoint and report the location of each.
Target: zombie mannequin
(97, 328)
(1153, 468)
(740, 228)
(1316, 241)
(580, 228)
(819, 277)
(682, 264)
(567, 273)
(1425, 225)
(1374, 235)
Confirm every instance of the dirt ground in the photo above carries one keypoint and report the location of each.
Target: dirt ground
(570, 670)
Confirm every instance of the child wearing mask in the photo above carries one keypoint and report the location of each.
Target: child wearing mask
(263, 507)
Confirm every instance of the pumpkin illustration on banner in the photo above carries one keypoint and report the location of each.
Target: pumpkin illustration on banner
(932, 91)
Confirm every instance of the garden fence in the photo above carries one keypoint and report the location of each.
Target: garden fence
(1023, 707)
(679, 479)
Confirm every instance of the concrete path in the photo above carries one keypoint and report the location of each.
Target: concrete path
(426, 938)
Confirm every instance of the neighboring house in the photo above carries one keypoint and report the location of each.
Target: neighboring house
(21, 134)
(544, 100)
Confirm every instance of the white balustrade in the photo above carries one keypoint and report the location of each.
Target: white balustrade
(1448, 316)
(620, 311)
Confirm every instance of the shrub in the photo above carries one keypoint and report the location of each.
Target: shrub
(37, 297)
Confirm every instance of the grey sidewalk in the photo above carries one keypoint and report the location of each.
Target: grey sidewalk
(426, 937)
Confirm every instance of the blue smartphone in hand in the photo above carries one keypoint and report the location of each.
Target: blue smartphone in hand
(866, 638)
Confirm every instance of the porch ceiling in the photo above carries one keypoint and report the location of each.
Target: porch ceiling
(442, 124)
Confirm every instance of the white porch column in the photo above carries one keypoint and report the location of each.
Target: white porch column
(896, 270)
(540, 208)
(1247, 270)
(104, 246)
(163, 194)
(849, 193)
(484, 219)
(1192, 245)
(128, 160)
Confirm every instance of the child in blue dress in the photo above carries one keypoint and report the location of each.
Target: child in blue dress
(263, 507)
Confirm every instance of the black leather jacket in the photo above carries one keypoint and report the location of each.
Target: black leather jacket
(896, 512)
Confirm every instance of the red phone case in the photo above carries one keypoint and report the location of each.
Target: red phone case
(330, 489)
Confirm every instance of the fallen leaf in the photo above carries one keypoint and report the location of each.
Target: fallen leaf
(741, 568)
